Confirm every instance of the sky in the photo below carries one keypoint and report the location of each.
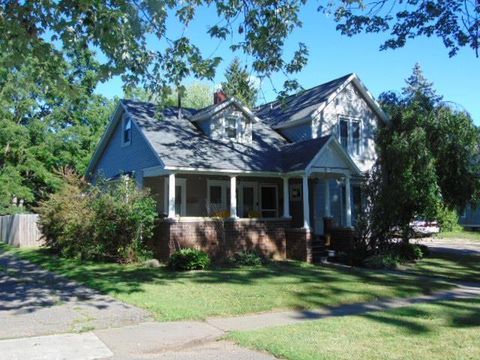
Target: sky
(333, 55)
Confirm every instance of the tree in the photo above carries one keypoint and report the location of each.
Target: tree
(44, 129)
(238, 84)
(417, 85)
(196, 95)
(427, 164)
(455, 22)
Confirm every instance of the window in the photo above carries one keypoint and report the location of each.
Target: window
(231, 127)
(218, 197)
(350, 135)
(127, 131)
(344, 133)
(355, 138)
(268, 194)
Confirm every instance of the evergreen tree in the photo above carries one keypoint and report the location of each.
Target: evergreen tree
(238, 84)
(418, 85)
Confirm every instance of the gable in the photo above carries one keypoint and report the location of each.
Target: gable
(112, 158)
(332, 158)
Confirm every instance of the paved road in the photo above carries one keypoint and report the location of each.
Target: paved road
(35, 302)
(456, 246)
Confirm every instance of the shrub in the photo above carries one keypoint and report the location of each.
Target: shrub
(110, 221)
(189, 259)
(247, 258)
(407, 252)
(448, 220)
(383, 261)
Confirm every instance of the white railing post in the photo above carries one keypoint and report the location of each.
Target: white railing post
(348, 205)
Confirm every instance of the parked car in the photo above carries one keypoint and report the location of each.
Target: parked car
(425, 228)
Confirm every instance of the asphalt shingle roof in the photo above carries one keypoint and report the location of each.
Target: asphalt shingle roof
(179, 143)
(298, 106)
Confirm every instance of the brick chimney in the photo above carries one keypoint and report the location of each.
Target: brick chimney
(219, 96)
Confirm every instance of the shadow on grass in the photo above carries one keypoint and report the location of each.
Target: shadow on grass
(306, 286)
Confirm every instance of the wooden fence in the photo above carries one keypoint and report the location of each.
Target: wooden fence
(20, 230)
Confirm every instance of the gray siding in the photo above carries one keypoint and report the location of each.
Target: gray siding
(116, 159)
(299, 132)
(472, 216)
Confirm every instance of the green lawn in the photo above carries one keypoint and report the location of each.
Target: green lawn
(442, 331)
(223, 292)
(450, 266)
(462, 234)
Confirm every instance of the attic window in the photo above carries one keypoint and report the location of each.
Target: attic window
(127, 131)
(231, 127)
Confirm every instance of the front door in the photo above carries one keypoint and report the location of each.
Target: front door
(269, 200)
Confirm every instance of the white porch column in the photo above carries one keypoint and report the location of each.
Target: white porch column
(306, 205)
(233, 197)
(286, 198)
(348, 205)
(326, 184)
(171, 196)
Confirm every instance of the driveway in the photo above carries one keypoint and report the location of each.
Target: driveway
(36, 302)
(454, 246)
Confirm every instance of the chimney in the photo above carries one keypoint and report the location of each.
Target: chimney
(218, 97)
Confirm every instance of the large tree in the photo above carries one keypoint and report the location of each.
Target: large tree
(428, 160)
(121, 30)
(44, 129)
(238, 83)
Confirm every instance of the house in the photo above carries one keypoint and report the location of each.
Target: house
(470, 217)
(228, 178)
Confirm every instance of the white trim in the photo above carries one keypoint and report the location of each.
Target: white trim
(350, 120)
(224, 105)
(222, 171)
(286, 197)
(359, 85)
(183, 188)
(233, 197)
(268, 185)
(306, 202)
(353, 169)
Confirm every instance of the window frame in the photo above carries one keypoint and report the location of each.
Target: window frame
(224, 185)
(126, 120)
(350, 143)
(227, 126)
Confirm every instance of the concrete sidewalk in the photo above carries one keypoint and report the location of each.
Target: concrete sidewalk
(185, 340)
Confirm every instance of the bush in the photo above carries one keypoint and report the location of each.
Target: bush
(383, 261)
(247, 258)
(448, 220)
(407, 252)
(189, 259)
(110, 221)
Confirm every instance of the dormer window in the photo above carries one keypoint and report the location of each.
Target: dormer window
(231, 127)
(127, 131)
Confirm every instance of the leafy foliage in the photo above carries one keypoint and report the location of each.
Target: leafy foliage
(109, 222)
(427, 165)
(196, 95)
(382, 261)
(246, 258)
(455, 22)
(238, 84)
(189, 259)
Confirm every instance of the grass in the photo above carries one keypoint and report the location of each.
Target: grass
(226, 292)
(460, 234)
(442, 331)
(450, 266)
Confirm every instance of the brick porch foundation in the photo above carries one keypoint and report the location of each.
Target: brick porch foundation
(221, 238)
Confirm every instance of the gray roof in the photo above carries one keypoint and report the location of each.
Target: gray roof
(298, 106)
(179, 143)
(298, 155)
